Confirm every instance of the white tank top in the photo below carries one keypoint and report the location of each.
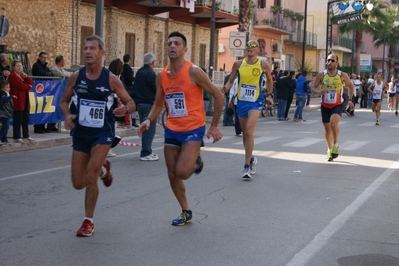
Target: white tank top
(378, 89)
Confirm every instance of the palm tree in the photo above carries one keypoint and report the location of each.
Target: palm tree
(387, 33)
(363, 25)
(244, 17)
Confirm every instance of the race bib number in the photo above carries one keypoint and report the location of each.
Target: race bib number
(378, 94)
(177, 104)
(247, 93)
(330, 97)
(91, 113)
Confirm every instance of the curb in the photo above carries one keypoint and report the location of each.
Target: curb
(53, 139)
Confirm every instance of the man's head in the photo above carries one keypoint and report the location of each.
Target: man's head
(304, 73)
(252, 48)
(93, 49)
(353, 76)
(149, 59)
(286, 73)
(177, 45)
(126, 58)
(43, 58)
(59, 61)
(4, 59)
(332, 61)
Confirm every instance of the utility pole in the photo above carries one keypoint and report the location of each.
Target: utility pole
(304, 35)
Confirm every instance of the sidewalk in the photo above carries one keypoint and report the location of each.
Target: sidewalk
(55, 139)
(50, 139)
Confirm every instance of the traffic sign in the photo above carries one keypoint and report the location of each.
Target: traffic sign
(237, 53)
(237, 40)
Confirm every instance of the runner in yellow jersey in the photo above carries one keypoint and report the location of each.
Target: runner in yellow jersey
(252, 73)
(329, 84)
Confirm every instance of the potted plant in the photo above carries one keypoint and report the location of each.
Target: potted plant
(276, 9)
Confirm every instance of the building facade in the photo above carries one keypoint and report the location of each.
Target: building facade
(134, 27)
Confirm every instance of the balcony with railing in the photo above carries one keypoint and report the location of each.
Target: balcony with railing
(226, 6)
(345, 42)
(283, 23)
(297, 38)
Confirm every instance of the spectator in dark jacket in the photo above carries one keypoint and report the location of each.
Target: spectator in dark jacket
(40, 69)
(145, 90)
(5, 69)
(282, 87)
(128, 77)
(6, 110)
(291, 92)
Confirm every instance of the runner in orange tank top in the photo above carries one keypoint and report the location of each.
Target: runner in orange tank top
(181, 85)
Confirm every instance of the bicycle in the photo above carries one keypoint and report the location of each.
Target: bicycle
(267, 108)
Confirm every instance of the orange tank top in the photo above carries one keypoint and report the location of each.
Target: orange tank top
(183, 100)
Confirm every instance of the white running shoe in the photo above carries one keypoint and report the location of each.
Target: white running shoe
(151, 157)
(252, 164)
(246, 174)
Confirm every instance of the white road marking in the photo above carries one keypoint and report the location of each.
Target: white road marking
(303, 142)
(259, 140)
(394, 148)
(352, 145)
(321, 239)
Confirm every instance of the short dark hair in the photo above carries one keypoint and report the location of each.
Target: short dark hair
(58, 59)
(42, 53)
(126, 58)
(304, 73)
(286, 72)
(116, 66)
(3, 84)
(178, 34)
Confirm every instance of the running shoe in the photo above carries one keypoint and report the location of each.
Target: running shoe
(377, 122)
(199, 165)
(334, 151)
(20, 140)
(252, 165)
(184, 218)
(87, 229)
(151, 157)
(111, 153)
(329, 156)
(396, 113)
(246, 173)
(107, 176)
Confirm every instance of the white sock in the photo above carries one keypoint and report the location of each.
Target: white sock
(90, 219)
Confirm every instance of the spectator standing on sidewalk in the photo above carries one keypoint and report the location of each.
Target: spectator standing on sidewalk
(180, 84)
(228, 118)
(301, 93)
(291, 93)
(356, 84)
(6, 110)
(58, 69)
(5, 69)
(40, 69)
(145, 90)
(283, 87)
(92, 133)
(20, 85)
(128, 79)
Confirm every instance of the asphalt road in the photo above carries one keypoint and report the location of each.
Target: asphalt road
(298, 209)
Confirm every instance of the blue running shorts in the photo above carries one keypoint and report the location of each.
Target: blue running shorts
(180, 138)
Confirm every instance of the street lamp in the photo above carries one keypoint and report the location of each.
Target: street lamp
(304, 36)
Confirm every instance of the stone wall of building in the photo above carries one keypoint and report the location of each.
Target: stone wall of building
(55, 26)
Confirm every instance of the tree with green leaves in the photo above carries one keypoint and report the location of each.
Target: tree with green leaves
(363, 25)
(387, 33)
